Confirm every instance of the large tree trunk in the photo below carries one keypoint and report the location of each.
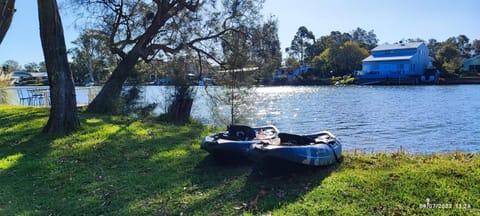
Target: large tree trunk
(7, 9)
(63, 113)
(108, 100)
(90, 70)
(181, 107)
(180, 110)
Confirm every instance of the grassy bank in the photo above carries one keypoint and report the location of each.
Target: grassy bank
(121, 166)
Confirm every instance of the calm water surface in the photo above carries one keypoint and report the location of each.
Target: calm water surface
(419, 119)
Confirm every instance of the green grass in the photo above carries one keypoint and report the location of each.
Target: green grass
(122, 166)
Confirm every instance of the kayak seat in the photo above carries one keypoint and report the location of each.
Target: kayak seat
(293, 139)
(272, 141)
(240, 133)
(325, 139)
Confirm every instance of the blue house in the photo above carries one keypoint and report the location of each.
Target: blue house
(472, 65)
(390, 63)
(291, 75)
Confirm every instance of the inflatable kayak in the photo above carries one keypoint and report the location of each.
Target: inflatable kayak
(267, 143)
(318, 149)
(238, 140)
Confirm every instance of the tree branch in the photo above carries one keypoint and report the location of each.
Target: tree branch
(6, 14)
(118, 10)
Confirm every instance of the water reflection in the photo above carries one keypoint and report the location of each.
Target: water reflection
(421, 119)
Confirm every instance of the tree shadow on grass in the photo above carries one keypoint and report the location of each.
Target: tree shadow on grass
(249, 187)
(131, 168)
(20, 130)
(113, 165)
(22, 133)
(25, 172)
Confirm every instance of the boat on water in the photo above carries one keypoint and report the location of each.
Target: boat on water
(267, 143)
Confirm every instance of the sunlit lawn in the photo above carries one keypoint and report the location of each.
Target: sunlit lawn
(123, 166)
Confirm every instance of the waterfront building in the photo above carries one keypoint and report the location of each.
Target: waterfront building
(402, 63)
(472, 65)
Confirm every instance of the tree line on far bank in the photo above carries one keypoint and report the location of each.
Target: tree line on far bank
(336, 54)
(341, 53)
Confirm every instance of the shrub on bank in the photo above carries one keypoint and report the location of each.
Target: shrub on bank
(343, 80)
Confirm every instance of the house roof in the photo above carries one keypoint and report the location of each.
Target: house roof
(472, 59)
(400, 46)
(390, 58)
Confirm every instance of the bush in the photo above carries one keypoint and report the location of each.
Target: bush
(467, 74)
(348, 80)
(343, 80)
(131, 104)
(448, 75)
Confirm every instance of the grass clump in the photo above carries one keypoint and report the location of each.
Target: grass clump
(122, 166)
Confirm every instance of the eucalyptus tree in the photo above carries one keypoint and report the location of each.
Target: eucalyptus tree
(340, 38)
(432, 46)
(291, 62)
(11, 65)
(333, 40)
(63, 117)
(249, 56)
(476, 47)
(180, 107)
(266, 53)
(341, 60)
(365, 39)
(448, 56)
(90, 55)
(464, 46)
(348, 57)
(140, 29)
(257, 46)
(42, 67)
(237, 77)
(7, 9)
(303, 39)
(32, 67)
(323, 43)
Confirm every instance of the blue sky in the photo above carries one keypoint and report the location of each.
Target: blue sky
(391, 20)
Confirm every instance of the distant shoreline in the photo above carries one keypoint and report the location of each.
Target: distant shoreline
(459, 81)
(328, 81)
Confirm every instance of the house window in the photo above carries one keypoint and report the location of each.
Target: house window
(400, 68)
(474, 68)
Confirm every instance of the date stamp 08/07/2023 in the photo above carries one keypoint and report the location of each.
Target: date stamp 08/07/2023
(430, 205)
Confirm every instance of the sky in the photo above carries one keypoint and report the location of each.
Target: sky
(391, 20)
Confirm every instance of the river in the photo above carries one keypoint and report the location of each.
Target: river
(418, 119)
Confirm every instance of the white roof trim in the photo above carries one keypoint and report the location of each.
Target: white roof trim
(477, 57)
(383, 47)
(389, 58)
